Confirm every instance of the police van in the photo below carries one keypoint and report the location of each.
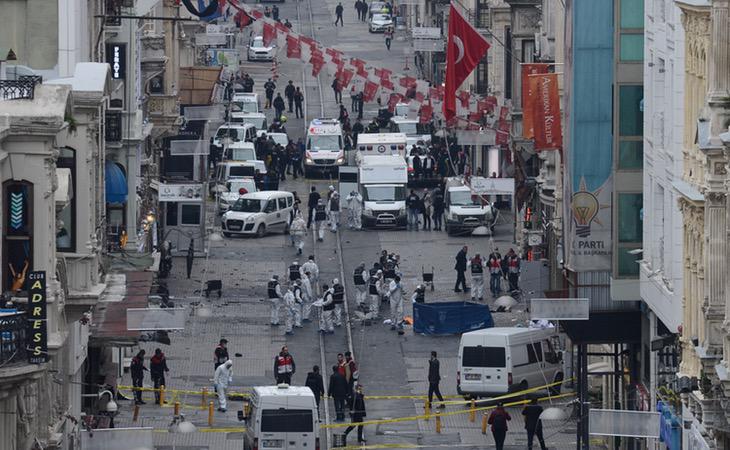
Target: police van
(282, 417)
(324, 147)
(496, 361)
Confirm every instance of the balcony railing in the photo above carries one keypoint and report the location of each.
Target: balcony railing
(113, 127)
(23, 87)
(113, 11)
(12, 338)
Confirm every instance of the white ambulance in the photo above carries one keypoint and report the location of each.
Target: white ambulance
(325, 147)
(380, 144)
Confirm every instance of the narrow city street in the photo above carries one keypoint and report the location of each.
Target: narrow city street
(389, 364)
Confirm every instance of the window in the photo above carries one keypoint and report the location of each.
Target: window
(287, 421)
(482, 19)
(66, 218)
(631, 38)
(630, 126)
(282, 203)
(171, 214)
(630, 154)
(270, 206)
(630, 208)
(628, 264)
(482, 77)
(190, 215)
(483, 357)
(534, 353)
(508, 63)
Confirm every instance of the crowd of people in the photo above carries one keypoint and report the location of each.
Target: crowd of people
(507, 268)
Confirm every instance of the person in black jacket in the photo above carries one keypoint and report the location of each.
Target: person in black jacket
(533, 424)
(338, 391)
(137, 369)
(438, 209)
(358, 414)
(460, 268)
(311, 204)
(289, 92)
(316, 384)
(434, 377)
(279, 106)
(158, 367)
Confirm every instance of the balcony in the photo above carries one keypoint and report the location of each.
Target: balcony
(113, 127)
(12, 338)
(22, 88)
(113, 11)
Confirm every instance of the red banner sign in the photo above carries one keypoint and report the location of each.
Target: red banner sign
(546, 107)
(528, 100)
(293, 49)
(370, 90)
(269, 34)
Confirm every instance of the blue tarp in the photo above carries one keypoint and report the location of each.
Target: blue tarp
(116, 183)
(450, 317)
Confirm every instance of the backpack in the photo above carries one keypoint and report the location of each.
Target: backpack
(499, 421)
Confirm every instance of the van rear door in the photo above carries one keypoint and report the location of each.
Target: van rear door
(484, 369)
(288, 429)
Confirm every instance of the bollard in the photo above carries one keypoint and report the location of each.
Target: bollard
(204, 398)
(210, 414)
(135, 415)
(484, 423)
(246, 408)
(177, 408)
(438, 423)
(472, 412)
(428, 409)
(162, 395)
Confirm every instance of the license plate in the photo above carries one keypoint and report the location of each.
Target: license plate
(472, 376)
(234, 227)
(388, 221)
(272, 443)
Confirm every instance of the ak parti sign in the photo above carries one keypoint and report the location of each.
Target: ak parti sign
(546, 111)
(37, 318)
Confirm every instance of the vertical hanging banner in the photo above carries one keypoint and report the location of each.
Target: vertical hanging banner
(426, 113)
(370, 90)
(345, 76)
(269, 34)
(37, 318)
(317, 63)
(528, 98)
(547, 124)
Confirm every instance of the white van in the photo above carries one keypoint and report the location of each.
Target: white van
(225, 171)
(282, 418)
(325, 146)
(233, 190)
(230, 133)
(496, 361)
(246, 102)
(241, 151)
(465, 210)
(381, 144)
(259, 213)
(416, 133)
(257, 120)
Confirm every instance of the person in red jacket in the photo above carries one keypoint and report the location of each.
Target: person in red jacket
(498, 420)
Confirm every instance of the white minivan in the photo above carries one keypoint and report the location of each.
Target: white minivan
(496, 361)
(282, 417)
(258, 213)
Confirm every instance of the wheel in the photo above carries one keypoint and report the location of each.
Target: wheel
(227, 234)
(555, 390)
(261, 230)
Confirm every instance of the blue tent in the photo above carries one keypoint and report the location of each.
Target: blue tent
(450, 317)
(116, 183)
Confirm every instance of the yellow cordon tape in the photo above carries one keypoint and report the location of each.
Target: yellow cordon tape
(367, 397)
(442, 414)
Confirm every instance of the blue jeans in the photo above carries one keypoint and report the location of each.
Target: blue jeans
(495, 283)
(413, 218)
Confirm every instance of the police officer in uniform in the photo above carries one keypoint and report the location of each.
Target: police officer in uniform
(477, 278)
(294, 272)
(338, 294)
(360, 279)
(375, 286)
(274, 291)
(328, 308)
(320, 216)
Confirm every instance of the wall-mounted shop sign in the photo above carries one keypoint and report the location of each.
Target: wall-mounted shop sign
(37, 318)
(116, 56)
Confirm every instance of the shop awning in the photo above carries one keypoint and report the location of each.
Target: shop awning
(116, 183)
(605, 327)
(124, 290)
(64, 192)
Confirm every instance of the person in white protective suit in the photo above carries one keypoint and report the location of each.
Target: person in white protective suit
(320, 217)
(311, 267)
(298, 230)
(360, 279)
(395, 294)
(326, 322)
(354, 210)
(274, 292)
(375, 287)
(221, 379)
(333, 206)
(289, 305)
(298, 301)
(307, 296)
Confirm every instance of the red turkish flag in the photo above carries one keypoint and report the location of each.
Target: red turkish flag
(345, 76)
(426, 113)
(293, 49)
(465, 49)
(269, 33)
